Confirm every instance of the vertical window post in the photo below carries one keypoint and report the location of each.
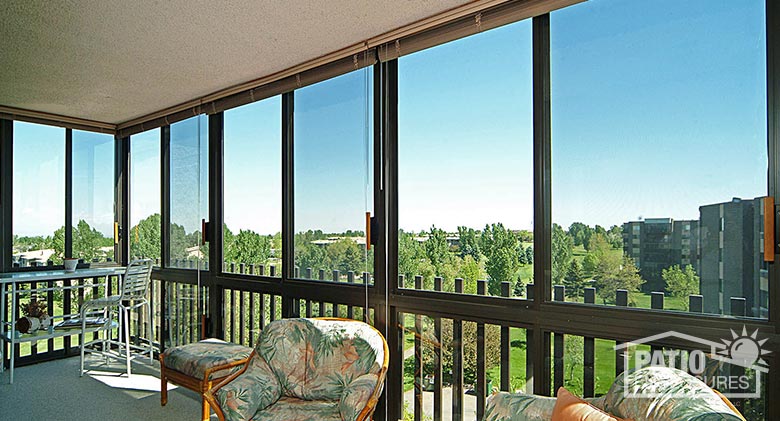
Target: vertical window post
(6, 193)
(216, 207)
(542, 199)
(288, 198)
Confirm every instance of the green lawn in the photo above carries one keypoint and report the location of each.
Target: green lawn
(604, 362)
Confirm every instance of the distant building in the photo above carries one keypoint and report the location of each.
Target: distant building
(361, 241)
(731, 261)
(32, 257)
(658, 243)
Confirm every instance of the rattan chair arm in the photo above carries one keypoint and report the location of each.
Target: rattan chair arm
(209, 394)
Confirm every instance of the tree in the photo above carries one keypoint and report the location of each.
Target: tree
(681, 282)
(247, 247)
(308, 255)
(580, 234)
(517, 291)
(562, 245)
(574, 281)
(469, 243)
(529, 255)
(409, 254)
(437, 250)
(525, 236)
(58, 244)
(180, 242)
(469, 339)
(601, 258)
(500, 247)
(470, 271)
(145, 238)
(345, 255)
(615, 236)
(624, 275)
(87, 242)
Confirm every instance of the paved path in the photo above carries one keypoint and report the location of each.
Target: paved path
(469, 404)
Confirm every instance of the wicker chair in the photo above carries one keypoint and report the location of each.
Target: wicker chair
(321, 369)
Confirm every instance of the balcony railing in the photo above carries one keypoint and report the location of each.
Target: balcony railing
(444, 364)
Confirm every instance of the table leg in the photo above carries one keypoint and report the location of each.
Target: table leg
(3, 328)
(13, 333)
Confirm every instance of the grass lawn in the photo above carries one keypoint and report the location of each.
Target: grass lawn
(604, 362)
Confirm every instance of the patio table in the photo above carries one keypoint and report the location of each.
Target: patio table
(8, 333)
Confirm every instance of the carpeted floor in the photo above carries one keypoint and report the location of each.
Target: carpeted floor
(54, 391)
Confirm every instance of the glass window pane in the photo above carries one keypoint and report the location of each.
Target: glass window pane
(38, 194)
(188, 192)
(253, 188)
(333, 191)
(93, 197)
(659, 153)
(465, 183)
(145, 195)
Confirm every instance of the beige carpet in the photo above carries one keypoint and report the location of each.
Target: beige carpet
(54, 391)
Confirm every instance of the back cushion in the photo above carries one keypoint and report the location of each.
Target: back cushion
(671, 395)
(316, 359)
(284, 344)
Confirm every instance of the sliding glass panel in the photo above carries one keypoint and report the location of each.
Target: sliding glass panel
(659, 153)
(465, 145)
(253, 188)
(333, 190)
(93, 197)
(38, 194)
(188, 184)
(145, 196)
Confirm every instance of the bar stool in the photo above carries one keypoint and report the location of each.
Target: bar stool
(133, 292)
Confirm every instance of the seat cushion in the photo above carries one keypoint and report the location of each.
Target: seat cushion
(194, 359)
(294, 409)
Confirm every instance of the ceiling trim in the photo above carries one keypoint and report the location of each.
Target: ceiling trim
(40, 117)
(390, 36)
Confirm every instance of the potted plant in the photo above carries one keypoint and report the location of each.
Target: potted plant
(36, 316)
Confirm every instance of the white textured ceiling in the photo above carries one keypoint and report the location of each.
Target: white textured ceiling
(115, 60)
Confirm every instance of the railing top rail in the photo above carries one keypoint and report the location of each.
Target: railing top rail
(56, 275)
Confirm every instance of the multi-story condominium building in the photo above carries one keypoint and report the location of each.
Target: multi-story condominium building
(658, 243)
(731, 261)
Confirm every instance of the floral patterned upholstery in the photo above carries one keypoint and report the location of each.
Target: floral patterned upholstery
(698, 401)
(672, 395)
(293, 409)
(194, 359)
(307, 369)
(256, 389)
(504, 406)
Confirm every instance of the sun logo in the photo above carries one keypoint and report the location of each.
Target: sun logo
(744, 350)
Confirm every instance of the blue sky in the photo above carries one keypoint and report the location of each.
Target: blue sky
(657, 108)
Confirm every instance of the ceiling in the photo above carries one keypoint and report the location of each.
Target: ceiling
(115, 60)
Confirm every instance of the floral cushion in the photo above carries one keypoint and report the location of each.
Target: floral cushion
(307, 369)
(356, 396)
(294, 409)
(194, 359)
(671, 395)
(505, 406)
(316, 359)
(255, 389)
